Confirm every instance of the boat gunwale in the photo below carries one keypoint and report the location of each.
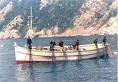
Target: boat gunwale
(58, 55)
(66, 51)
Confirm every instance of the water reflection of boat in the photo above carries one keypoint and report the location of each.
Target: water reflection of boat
(23, 55)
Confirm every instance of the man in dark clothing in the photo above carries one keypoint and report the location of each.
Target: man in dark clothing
(95, 42)
(77, 44)
(29, 43)
(104, 40)
(52, 44)
(61, 43)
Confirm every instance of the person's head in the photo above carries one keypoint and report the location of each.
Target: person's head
(53, 40)
(61, 41)
(28, 37)
(96, 39)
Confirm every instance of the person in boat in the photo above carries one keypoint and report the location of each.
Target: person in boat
(73, 46)
(104, 40)
(95, 43)
(52, 44)
(29, 43)
(61, 44)
(77, 43)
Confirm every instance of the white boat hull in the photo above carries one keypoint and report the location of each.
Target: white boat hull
(23, 54)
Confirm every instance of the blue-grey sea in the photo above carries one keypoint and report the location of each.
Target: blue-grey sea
(90, 70)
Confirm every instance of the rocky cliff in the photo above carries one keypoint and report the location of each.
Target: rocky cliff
(58, 17)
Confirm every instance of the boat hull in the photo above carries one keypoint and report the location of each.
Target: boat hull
(23, 55)
(43, 59)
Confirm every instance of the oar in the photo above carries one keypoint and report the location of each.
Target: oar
(30, 56)
(53, 56)
(79, 55)
(97, 50)
(30, 60)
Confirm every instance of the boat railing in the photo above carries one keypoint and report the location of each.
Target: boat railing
(66, 49)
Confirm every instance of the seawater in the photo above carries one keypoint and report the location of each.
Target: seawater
(90, 70)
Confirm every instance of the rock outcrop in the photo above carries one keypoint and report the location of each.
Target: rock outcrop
(10, 30)
(96, 18)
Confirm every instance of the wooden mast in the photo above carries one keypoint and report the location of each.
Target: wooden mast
(31, 19)
(30, 31)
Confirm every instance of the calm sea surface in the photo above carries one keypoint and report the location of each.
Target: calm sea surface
(91, 70)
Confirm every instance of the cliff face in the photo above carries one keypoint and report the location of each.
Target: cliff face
(97, 17)
(47, 14)
(58, 17)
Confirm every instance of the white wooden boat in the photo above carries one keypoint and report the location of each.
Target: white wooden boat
(37, 54)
